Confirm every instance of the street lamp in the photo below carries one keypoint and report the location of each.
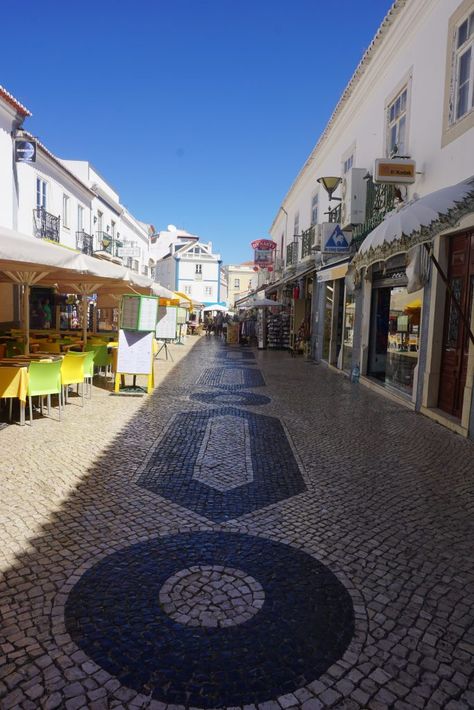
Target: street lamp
(330, 184)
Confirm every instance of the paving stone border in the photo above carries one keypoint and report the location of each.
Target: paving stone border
(236, 398)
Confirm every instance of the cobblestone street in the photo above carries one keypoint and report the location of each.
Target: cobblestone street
(259, 532)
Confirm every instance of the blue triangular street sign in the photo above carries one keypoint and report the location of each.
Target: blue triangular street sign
(337, 240)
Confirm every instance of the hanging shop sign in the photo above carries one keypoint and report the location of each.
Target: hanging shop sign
(263, 253)
(395, 170)
(25, 151)
(334, 240)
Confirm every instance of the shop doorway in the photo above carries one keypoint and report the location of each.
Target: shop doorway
(394, 332)
(455, 335)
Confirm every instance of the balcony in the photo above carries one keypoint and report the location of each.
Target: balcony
(108, 244)
(380, 200)
(291, 254)
(335, 214)
(85, 242)
(46, 225)
(307, 242)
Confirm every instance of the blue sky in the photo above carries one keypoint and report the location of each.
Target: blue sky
(199, 112)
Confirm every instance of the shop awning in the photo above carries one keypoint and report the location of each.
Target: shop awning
(416, 222)
(293, 277)
(333, 271)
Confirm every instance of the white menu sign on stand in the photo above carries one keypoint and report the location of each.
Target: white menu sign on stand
(148, 312)
(135, 352)
(166, 323)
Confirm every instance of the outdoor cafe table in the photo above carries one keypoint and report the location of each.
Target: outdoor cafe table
(14, 378)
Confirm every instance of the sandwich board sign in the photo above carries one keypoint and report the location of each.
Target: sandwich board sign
(334, 240)
(166, 323)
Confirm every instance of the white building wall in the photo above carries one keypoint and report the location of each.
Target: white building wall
(165, 273)
(7, 118)
(407, 51)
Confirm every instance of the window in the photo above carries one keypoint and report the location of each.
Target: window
(40, 193)
(236, 283)
(187, 290)
(314, 209)
(208, 290)
(198, 268)
(66, 211)
(397, 124)
(80, 218)
(464, 68)
(296, 224)
(348, 163)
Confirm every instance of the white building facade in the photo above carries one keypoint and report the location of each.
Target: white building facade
(185, 264)
(403, 100)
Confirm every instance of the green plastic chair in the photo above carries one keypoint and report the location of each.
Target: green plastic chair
(88, 362)
(44, 379)
(101, 356)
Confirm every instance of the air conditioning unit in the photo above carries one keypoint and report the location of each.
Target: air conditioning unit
(354, 196)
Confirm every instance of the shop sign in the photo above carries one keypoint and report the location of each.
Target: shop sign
(128, 251)
(395, 170)
(25, 151)
(334, 240)
(263, 253)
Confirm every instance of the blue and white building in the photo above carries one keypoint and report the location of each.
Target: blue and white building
(183, 263)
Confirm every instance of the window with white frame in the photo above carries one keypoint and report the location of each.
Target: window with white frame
(80, 218)
(198, 268)
(397, 124)
(314, 209)
(41, 187)
(464, 68)
(236, 283)
(66, 211)
(208, 290)
(187, 290)
(296, 224)
(348, 163)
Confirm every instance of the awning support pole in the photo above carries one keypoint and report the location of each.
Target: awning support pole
(464, 317)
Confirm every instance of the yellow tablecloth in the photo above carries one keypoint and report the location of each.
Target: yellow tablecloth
(14, 382)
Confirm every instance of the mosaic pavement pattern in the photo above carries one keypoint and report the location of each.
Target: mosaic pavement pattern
(232, 378)
(125, 613)
(352, 589)
(223, 463)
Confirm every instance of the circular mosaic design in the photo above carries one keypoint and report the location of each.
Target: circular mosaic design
(211, 595)
(114, 614)
(229, 397)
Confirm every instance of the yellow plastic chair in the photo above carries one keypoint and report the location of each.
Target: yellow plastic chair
(88, 367)
(72, 373)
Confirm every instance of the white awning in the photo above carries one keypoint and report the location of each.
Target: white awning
(418, 221)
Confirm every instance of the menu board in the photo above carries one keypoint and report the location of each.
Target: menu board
(135, 352)
(139, 312)
(166, 323)
(182, 316)
(148, 312)
(232, 333)
(130, 310)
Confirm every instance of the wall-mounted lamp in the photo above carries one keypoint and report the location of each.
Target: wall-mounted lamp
(95, 219)
(330, 184)
(108, 228)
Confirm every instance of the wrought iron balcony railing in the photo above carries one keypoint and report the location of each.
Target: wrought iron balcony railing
(307, 242)
(46, 225)
(85, 242)
(380, 200)
(335, 214)
(291, 254)
(106, 242)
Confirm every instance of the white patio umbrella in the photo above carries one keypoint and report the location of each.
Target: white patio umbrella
(416, 222)
(215, 307)
(261, 303)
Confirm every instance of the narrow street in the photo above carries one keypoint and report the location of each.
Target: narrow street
(258, 532)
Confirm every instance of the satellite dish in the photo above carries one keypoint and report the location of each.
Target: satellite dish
(172, 228)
